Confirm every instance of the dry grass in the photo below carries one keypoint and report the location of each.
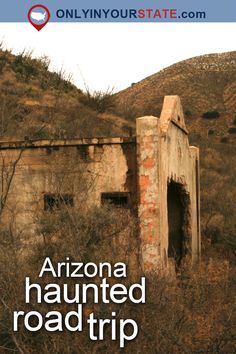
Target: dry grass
(193, 314)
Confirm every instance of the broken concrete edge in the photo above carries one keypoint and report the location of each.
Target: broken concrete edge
(172, 112)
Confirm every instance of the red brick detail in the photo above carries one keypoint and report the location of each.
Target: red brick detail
(144, 181)
(148, 163)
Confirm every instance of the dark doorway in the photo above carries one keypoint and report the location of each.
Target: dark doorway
(178, 211)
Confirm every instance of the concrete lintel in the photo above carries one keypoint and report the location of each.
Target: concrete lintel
(32, 144)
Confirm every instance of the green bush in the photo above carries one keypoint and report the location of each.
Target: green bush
(188, 113)
(211, 114)
(232, 130)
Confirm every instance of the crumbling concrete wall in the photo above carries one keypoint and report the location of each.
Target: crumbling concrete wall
(82, 168)
(164, 156)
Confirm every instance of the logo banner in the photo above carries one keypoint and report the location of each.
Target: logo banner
(118, 11)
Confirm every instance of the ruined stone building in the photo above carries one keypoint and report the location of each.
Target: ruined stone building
(155, 173)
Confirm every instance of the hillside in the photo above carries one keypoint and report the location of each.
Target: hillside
(204, 83)
(37, 103)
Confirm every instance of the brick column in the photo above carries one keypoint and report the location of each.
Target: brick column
(148, 181)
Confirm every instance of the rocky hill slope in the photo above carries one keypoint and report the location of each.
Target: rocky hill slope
(205, 83)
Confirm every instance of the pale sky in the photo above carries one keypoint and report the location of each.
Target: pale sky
(108, 55)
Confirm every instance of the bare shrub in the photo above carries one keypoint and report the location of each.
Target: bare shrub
(100, 101)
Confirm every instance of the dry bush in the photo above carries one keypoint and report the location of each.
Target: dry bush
(101, 234)
(193, 313)
(100, 101)
(97, 234)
